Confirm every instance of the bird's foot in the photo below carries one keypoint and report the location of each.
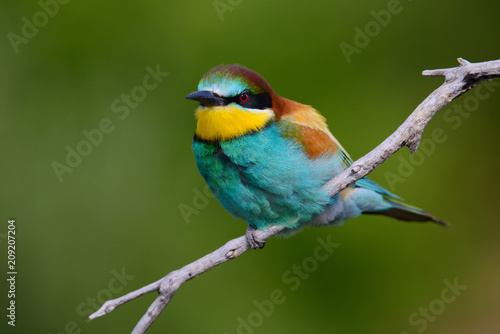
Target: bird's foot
(252, 238)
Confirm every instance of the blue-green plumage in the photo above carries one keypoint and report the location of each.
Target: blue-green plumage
(253, 184)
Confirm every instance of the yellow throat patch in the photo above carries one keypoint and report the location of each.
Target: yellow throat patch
(228, 122)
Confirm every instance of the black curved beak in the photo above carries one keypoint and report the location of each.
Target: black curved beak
(207, 98)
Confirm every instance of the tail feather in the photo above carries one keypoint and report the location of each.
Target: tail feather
(406, 212)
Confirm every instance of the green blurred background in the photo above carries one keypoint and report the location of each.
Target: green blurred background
(120, 207)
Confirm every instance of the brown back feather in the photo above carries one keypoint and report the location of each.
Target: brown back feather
(315, 136)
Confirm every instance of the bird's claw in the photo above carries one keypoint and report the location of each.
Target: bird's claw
(252, 238)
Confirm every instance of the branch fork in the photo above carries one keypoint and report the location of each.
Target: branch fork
(458, 80)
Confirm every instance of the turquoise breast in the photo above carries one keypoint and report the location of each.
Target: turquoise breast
(265, 179)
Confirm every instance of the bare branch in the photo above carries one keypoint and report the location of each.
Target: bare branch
(458, 80)
(169, 285)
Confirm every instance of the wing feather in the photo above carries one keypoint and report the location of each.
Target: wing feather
(309, 128)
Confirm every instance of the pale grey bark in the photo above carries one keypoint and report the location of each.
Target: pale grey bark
(458, 80)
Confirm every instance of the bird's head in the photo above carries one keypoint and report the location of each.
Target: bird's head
(234, 101)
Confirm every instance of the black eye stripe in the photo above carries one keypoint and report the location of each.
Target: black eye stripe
(257, 101)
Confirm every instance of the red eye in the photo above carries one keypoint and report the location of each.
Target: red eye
(244, 97)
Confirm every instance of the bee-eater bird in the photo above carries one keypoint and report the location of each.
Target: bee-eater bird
(266, 158)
